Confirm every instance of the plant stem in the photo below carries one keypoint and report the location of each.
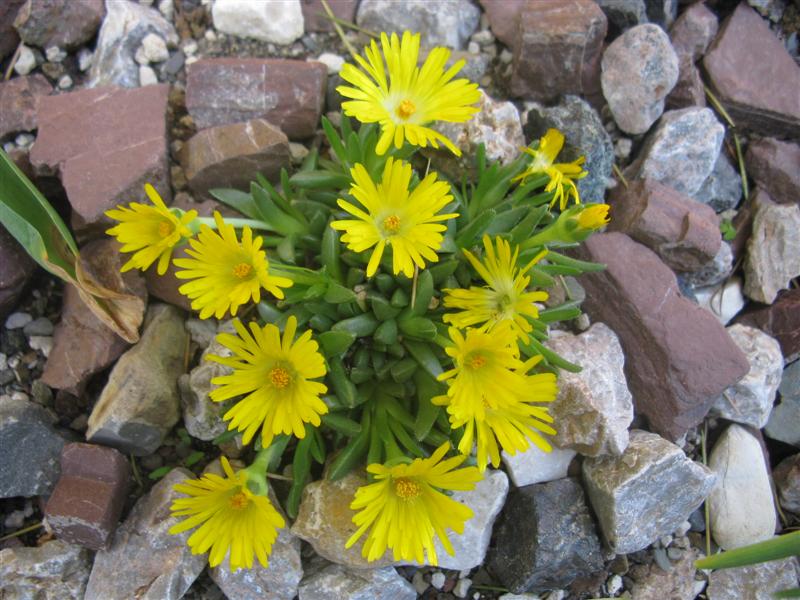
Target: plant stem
(23, 531)
(338, 29)
(706, 511)
(257, 471)
(236, 222)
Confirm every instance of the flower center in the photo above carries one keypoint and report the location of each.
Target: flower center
(406, 488)
(239, 501)
(165, 228)
(405, 109)
(242, 270)
(391, 224)
(476, 361)
(279, 377)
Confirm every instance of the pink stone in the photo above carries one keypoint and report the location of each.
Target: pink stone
(19, 99)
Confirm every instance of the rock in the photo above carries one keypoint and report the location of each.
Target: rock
(227, 156)
(741, 502)
(639, 69)
(787, 481)
(129, 134)
(9, 39)
(584, 135)
(333, 62)
(88, 498)
(756, 582)
(16, 267)
(26, 61)
(503, 18)
(17, 320)
(624, 14)
(688, 90)
(773, 252)
(20, 98)
(790, 382)
(646, 493)
(784, 422)
(545, 538)
(715, 271)
(781, 320)
(693, 31)
(684, 357)
(143, 560)
(536, 466)
(336, 582)
(202, 331)
(764, 100)
(775, 167)
(722, 190)
(314, 13)
(724, 301)
(63, 23)
(276, 22)
(202, 417)
(140, 402)
(683, 150)
(684, 233)
(52, 571)
(154, 48)
(220, 91)
(124, 29)
(662, 12)
(557, 49)
(439, 23)
(38, 327)
(147, 76)
(677, 583)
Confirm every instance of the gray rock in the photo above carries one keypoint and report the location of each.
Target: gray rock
(125, 26)
(593, 408)
(750, 400)
(584, 135)
(694, 30)
(645, 493)
(724, 301)
(756, 582)
(17, 320)
(336, 582)
(624, 14)
(144, 561)
(787, 482)
(784, 422)
(440, 23)
(545, 538)
(274, 22)
(31, 449)
(537, 466)
(772, 9)
(773, 252)
(714, 272)
(140, 402)
(790, 382)
(662, 12)
(41, 327)
(58, 22)
(651, 582)
(53, 571)
(202, 331)
(639, 69)
(722, 190)
(683, 149)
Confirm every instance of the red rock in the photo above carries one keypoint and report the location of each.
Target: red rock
(9, 39)
(682, 231)
(693, 31)
(128, 133)
(62, 23)
(558, 49)
(503, 18)
(781, 320)
(775, 166)
(288, 93)
(688, 91)
(679, 358)
(87, 501)
(16, 267)
(314, 14)
(20, 99)
(754, 76)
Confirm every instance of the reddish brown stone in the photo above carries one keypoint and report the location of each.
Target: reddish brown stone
(19, 99)
(315, 17)
(679, 358)
(754, 76)
(693, 31)
(88, 499)
(787, 480)
(775, 166)
(16, 267)
(682, 231)
(503, 18)
(106, 143)
(9, 39)
(62, 23)
(558, 49)
(688, 91)
(781, 320)
(288, 93)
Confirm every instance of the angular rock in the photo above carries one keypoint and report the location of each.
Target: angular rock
(684, 357)
(536, 466)
(9, 39)
(52, 571)
(336, 582)
(683, 149)
(688, 90)
(439, 23)
(545, 538)
(290, 93)
(20, 99)
(144, 560)
(722, 190)
(227, 156)
(276, 22)
(140, 402)
(503, 17)
(725, 301)
(781, 320)
(584, 135)
(16, 267)
(773, 252)
(790, 382)
(784, 422)
(764, 100)
(639, 69)
(557, 49)
(677, 583)
(61, 23)
(314, 14)
(756, 582)
(624, 14)
(775, 166)
(645, 493)
(693, 31)
(684, 233)
(713, 272)
(787, 481)
(129, 148)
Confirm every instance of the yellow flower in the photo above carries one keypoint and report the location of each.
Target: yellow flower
(505, 298)
(403, 97)
(405, 507)
(492, 395)
(150, 232)
(562, 175)
(226, 273)
(274, 374)
(230, 517)
(593, 216)
(406, 221)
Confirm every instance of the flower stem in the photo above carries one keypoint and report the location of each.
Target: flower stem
(236, 222)
(257, 471)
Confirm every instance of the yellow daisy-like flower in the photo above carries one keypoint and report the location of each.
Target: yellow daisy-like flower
(226, 272)
(405, 507)
(492, 395)
(274, 375)
(403, 97)
(593, 216)
(150, 232)
(405, 220)
(229, 516)
(562, 175)
(505, 299)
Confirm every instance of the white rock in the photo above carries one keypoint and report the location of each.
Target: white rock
(190, 48)
(277, 21)
(462, 588)
(154, 48)
(26, 61)
(65, 82)
(773, 251)
(438, 579)
(334, 62)
(167, 8)
(85, 57)
(41, 343)
(24, 140)
(147, 76)
(724, 301)
(754, 582)
(537, 466)
(336, 582)
(741, 504)
(18, 320)
(55, 54)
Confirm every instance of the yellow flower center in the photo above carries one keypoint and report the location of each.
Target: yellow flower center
(165, 228)
(405, 109)
(476, 361)
(391, 224)
(407, 488)
(280, 377)
(242, 270)
(239, 501)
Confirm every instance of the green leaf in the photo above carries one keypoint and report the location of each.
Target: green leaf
(329, 253)
(353, 452)
(320, 180)
(727, 230)
(427, 388)
(193, 458)
(239, 201)
(341, 424)
(334, 140)
(382, 308)
(386, 333)
(338, 294)
(404, 369)
(536, 347)
(422, 353)
(360, 326)
(344, 389)
(225, 437)
(776, 548)
(473, 232)
(335, 343)
(301, 468)
(159, 473)
(424, 293)
(418, 327)
(791, 593)
(274, 217)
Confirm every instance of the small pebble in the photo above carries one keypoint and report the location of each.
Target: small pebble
(614, 585)
(3, 361)
(20, 396)
(24, 140)
(556, 595)
(154, 48)
(65, 82)
(462, 588)
(41, 343)
(42, 394)
(14, 520)
(622, 148)
(147, 76)
(85, 59)
(473, 48)
(674, 553)
(665, 540)
(26, 62)
(333, 62)
(484, 37)
(210, 35)
(660, 556)
(437, 580)
(683, 529)
(190, 60)
(167, 8)
(298, 152)
(190, 48)
(17, 320)
(699, 586)
(419, 583)
(55, 54)
(506, 57)
(80, 423)
(9, 147)
(6, 376)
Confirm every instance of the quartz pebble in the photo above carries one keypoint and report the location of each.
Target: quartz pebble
(26, 61)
